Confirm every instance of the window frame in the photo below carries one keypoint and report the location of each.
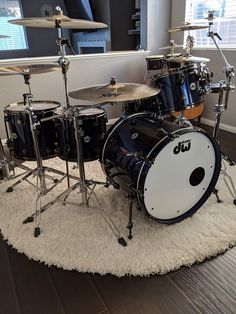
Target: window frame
(209, 48)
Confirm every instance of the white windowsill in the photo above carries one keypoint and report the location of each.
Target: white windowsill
(76, 57)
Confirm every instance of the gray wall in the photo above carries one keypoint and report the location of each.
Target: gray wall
(215, 65)
(158, 20)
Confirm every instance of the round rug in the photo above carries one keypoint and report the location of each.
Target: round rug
(75, 237)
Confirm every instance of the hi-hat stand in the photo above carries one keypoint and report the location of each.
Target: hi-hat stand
(86, 187)
(223, 88)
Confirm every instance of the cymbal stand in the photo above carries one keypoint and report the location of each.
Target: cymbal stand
(223, 86)
(63, 61)
(189, 44)
(86, 187)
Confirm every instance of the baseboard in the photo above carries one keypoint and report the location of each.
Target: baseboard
(223, 126)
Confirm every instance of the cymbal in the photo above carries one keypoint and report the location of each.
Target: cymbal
(189, 59)
(64, 22)
(28, 69)
(114, 93)
(171, 46)
(187, 27)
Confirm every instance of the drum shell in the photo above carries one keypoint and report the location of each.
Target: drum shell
(128, 170)
(94, 130)
(21, 140)
(117, 160)
(178, 91)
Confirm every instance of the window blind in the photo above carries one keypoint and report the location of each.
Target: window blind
(224, 24)
(9, 10)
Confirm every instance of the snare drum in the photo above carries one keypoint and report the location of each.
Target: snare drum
(173, 170)
(93, 126)
(19, 130)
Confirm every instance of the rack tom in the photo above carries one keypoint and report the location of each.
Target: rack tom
(19, 131)
(92, 122)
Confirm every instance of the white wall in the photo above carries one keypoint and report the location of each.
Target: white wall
(215, 65)
(158, 21)
(85, 70)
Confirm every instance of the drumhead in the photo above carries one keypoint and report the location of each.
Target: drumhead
(182, 176)
(91, 112)
(40, 105)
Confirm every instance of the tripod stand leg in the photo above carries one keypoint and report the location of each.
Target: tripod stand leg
(10, 189)
(217, 196)
(229, 184)
(63, 195)
(108, 220)
(228, 159)
(130, 223)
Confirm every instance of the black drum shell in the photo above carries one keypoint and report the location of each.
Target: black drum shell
(179, 90)
(94, 132)
(21, 140)
(119, 153)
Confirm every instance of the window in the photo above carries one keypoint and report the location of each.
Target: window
(9, 10)
(224, 24)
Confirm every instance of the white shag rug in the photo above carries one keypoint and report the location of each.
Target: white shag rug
(74, 237)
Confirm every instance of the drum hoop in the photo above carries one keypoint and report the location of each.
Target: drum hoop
(8, 110)
(182, 130)
(208, 191)
(92, 115)
(154, 148)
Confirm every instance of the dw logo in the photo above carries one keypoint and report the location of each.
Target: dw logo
(183, 146)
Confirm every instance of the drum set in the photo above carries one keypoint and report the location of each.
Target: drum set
(152, 153)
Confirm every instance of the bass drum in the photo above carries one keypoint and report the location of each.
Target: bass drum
(172, 170)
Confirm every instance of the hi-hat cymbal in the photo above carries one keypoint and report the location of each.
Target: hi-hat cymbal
(171, 47)
(187, 27)
(28, 69)
(63, 20)
(114, 93)
(186, 59)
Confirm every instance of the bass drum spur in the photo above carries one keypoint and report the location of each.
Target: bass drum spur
(173, 170)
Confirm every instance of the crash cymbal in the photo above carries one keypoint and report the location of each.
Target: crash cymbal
(114, 93)
(186, 59)
(28, 69)
(62, 20)
(171, 47)
(187, 27)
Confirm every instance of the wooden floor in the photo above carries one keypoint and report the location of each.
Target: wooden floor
(28, 287)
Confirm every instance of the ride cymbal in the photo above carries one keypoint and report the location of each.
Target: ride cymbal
(189, 59)
(28, 69)
(114, 92)
(62, 21)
